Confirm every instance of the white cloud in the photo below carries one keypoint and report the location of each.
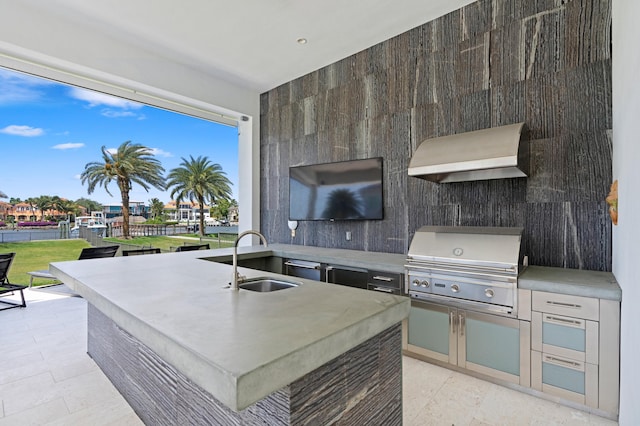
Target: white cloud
(159, 152)
(69, 145)
(112, 150)
(26, 131)
(96, 99)
(16, 88)
(78, 176)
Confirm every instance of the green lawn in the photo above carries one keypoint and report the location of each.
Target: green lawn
(35, 255)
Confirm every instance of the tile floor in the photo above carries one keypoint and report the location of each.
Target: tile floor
(46, 378)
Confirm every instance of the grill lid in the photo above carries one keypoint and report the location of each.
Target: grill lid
(468, 246)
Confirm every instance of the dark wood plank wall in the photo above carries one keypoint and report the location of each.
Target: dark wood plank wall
(492, 63)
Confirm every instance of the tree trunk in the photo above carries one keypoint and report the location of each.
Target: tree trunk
(201, 206)
(124, 190)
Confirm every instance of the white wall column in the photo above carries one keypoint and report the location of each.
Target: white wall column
(626, 236)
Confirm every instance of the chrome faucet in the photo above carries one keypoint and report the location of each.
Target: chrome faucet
(236, 279)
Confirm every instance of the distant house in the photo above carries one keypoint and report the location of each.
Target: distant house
(23, 212)
(136, 208)
(185, 212)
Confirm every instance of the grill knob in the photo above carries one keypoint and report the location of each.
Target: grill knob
(415, 283)
(489, 293)
(424, 284)
(455, 288)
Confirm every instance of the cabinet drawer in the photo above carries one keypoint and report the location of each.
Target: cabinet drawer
(385, 279)
(562, 304)
(567, 378)
(573, 338)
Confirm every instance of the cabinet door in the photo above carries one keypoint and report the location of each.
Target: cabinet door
(495, 346)
(345, 275)
(431, 331)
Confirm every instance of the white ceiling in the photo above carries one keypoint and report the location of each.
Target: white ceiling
(251, 43)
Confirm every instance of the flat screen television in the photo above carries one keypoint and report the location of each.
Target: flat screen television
(346, 190)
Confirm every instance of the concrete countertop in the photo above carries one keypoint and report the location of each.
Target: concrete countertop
(239, 346)
(576, 282)
(388, 262)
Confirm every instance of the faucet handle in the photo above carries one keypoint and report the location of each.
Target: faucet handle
(240, 278)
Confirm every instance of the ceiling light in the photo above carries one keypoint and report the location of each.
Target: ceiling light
(302, 40)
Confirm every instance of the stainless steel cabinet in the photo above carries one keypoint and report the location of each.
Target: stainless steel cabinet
(491, 345)
(574, 344)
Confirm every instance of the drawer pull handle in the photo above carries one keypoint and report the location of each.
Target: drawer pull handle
(566, 305)
(381, 278)
(564, 320)
(386, 290)
(571, 364)
(452, 322)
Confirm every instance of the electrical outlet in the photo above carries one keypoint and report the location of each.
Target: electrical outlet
(348, 235)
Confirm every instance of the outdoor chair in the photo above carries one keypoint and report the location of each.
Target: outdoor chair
(5, 286)
(137, 252)
(86, 253)
(193, 247)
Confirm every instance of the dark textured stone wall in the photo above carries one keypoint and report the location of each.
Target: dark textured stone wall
(495, 62)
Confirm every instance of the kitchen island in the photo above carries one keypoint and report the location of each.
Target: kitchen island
(183, 348)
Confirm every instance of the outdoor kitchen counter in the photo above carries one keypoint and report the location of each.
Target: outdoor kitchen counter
(239, 346)
(575, 282)
(389, 262)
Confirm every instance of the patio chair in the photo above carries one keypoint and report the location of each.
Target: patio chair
(86, 253)
(137, 252)
(6, 287)
(193, 247)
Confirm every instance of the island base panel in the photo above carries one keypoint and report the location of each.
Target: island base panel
(361, 386)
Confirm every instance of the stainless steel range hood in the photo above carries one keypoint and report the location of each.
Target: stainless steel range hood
(494, 153)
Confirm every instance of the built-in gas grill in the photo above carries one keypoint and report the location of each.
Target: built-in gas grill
(473, 267)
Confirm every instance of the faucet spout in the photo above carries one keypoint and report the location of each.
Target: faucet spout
(234, 279)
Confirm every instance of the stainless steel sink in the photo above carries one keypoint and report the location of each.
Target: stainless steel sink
(266, 284)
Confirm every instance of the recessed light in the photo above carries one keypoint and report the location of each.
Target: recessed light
(302, 41)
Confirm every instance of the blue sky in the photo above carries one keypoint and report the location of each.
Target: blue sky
(50, 131)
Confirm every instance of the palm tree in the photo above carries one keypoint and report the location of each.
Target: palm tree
(66, 206)
(89, 205)
(201, 181)
(156, 207)
(131, 163)
(43, 203)
(32, 210)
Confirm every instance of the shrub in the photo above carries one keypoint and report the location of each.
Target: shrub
(2, 224)
(34, 224)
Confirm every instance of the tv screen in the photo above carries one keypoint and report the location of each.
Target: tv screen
(347, 190)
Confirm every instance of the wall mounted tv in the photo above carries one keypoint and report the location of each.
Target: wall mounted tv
(346, 190)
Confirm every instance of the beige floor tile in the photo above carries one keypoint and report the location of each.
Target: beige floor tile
(112, 411)
(27, 393)
(38, 415)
